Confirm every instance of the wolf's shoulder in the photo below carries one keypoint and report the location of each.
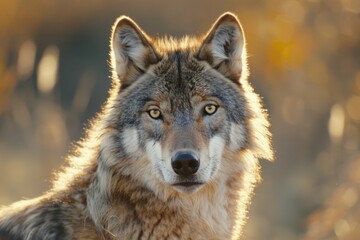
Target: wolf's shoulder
(37, 219)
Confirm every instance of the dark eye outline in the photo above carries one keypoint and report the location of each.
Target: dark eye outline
(159, 117)
(210, 113)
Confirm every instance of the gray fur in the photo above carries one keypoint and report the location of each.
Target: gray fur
(119, 183)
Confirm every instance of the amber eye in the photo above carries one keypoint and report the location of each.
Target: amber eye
(210, 109)
(155, 113)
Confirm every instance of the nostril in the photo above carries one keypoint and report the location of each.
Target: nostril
(176, 164)
(185, 163)
(194, 164)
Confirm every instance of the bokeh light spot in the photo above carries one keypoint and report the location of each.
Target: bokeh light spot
(26, 59)
(336, 123)
(48, 69)
(341, 228)
(350, 197)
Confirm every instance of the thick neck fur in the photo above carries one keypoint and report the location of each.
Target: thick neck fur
(115, 199)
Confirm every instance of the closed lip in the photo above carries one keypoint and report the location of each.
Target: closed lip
(187, 184)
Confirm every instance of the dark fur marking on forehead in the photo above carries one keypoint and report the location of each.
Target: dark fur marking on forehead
(178, 62)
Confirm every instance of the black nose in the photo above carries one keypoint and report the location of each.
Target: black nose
(185, 163)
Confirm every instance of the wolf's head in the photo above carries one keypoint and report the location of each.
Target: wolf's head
(183, 110)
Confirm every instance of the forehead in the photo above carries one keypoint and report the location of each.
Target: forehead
(181, 75)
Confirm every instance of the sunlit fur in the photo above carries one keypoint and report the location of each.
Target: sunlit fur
(118, 180)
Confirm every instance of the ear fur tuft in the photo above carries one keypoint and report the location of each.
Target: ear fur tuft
(131, 51)
(224, 47)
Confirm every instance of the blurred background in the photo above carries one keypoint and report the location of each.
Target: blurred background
(305, 62)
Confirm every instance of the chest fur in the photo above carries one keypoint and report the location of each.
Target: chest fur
(202, 216)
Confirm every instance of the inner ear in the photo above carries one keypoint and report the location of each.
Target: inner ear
(223, 47)
(131, 51)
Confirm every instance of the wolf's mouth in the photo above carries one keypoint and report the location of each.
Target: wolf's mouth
(188, 184)
(187, 187)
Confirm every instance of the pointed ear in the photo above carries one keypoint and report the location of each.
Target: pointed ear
(224, 47)
(131, 51)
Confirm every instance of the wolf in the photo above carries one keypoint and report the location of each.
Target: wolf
(174, 153)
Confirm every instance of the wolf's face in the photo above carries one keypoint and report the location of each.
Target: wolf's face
(180, 103)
